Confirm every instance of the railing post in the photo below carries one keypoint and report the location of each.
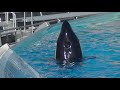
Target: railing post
(0, 20)
(0, 41)
(7, 17)
(14, 24)
(14, 20)
(32, 21)
(24, 21)
(40, 13)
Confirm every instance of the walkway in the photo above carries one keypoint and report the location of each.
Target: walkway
(58, 16)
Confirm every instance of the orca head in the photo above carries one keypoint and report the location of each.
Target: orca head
(68, 47)
(67, 34)
(66, 27)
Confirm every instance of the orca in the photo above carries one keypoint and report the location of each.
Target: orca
(68, 46)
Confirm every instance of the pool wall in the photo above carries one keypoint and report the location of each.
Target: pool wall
(12, 66)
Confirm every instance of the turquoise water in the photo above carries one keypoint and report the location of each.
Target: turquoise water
(99, 37)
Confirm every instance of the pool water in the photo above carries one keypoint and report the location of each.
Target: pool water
(99, 37)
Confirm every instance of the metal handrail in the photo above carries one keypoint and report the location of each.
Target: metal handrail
(20, 27)
(26, 26)
(14, 18)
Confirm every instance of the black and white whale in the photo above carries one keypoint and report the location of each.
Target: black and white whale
(68, 46)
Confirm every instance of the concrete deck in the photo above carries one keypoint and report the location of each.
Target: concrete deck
(62, 15)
